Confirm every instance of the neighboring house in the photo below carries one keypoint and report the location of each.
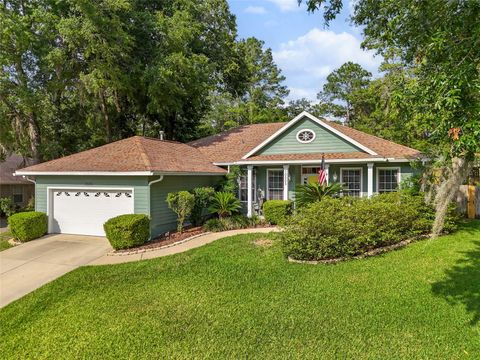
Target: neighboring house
(80, 192)
(18, 189)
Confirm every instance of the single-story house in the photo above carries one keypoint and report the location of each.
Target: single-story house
(81, 191)
(18, 189)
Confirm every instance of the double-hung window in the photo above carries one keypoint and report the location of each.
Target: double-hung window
(243, 187)
(17, 194)
(275, 184)
(388, 179)
(352, 181)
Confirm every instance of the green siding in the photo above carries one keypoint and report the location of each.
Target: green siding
(164, 219)
(138, 183)
(325, 141)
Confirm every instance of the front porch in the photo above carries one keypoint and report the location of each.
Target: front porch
(261, 182)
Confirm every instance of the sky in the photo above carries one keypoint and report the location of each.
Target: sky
(303, 48)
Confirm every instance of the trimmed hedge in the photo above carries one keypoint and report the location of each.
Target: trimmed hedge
(230, 223)
(26, 226)
(127, 231)
(276, 212)
(347, 226)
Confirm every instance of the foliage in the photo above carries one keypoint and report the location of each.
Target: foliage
(224, 204)
(312, 192)
(411, 185)
(230, 182)
(127, 231)
(202, 199)
(231, 223)
(338, 92)
(347, 226)
(26, 226)
(79, 74)
(259, 97)
(276, 212)
(30, 205)
(182, 204)
(437, 45)
(7, 206)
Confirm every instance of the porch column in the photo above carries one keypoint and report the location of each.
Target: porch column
(370, 180)
(249, 190)
(285, 182)
(327, 172)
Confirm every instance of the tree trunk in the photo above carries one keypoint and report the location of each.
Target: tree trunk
(35, 139)
(456, 175)
(106, 118)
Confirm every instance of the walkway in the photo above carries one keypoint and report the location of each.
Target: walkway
(175, 249)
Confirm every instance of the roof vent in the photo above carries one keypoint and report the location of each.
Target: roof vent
(161, 135)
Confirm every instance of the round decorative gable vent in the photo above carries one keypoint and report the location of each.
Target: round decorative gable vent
(305, 136)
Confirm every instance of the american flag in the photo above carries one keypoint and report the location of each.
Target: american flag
(322, 173)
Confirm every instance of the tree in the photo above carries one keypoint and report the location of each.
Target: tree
(339, 91)
(438, 41)
(182, 204)
(259, 96)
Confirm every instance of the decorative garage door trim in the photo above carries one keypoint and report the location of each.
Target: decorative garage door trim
(79, 192)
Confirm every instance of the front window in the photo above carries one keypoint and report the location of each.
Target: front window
(17, 195)
(275, 184)
(243, 187)
(388, 180)
(352, 182)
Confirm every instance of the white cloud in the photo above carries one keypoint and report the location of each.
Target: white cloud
(307, 60)
(255, 10)
(286, 5)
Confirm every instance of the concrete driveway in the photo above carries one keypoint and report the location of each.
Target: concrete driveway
(28, 266)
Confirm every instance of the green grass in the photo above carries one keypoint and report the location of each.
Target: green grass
(234, 299)
(4, 237)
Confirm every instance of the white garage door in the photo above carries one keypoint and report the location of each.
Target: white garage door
(85, 211)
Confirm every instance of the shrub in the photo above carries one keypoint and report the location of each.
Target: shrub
(347, 226)
(309, 193)
(7, 207)
(224, 204)
(181, 202)
(30, 205)
(230, 223)
(127, 231)
(203, 197)
(26, 226)
(276, 212)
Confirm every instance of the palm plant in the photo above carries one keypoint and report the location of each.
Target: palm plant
(310, 193)
(224, 204)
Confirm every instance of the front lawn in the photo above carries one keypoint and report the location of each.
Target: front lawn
(235, 299)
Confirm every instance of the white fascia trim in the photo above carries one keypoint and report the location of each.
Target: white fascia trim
(90, 173)
(191, 173)
(293, 162)
(316, 120)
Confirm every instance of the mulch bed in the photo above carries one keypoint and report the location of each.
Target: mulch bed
(164, 240)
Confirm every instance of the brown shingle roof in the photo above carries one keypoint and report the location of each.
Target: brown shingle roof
(233, 144)
(8, 167)
(134, 154)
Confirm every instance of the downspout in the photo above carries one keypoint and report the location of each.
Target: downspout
(34, 184)
(160, 178)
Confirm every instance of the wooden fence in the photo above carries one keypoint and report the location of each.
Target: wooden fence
(468, 200)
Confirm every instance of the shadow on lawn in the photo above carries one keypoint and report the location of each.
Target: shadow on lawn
(462, 283)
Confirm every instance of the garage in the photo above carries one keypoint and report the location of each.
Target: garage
(84, 211)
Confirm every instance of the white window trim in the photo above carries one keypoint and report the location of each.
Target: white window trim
(307, 141)
(361, 177)
(267, 195)
(399, 176)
